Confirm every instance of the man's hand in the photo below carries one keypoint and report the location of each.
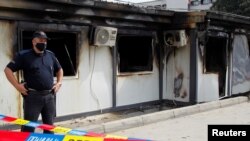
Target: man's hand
(56, 87)
(22, 89)
(19, 86)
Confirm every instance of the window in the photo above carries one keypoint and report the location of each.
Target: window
(62, 44)
(135, 53)
(215, 54)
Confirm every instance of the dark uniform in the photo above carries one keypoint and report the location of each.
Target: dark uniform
(38, 70)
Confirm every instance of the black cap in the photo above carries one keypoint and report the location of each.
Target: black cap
(40, 34)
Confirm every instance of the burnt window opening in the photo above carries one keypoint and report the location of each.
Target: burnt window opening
(135, 53)
(216, 59)
(62, 44)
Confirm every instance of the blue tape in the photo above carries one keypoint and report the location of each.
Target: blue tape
(32, 124)
(44, 137)
(77, 132)
(2, 116)
(51, 137)
(136, 139)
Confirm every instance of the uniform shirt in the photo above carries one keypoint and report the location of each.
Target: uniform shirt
(38, 69)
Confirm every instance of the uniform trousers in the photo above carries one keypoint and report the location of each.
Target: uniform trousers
(35, 104)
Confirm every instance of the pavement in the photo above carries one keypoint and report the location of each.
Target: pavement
(189, 123)
(181, 124)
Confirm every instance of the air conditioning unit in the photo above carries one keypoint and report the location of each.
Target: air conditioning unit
(105, 36)
(175, 38)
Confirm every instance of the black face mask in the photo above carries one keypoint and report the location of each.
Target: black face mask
(41, 46)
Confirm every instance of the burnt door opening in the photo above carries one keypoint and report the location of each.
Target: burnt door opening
(216, 60)
(135, 53)
(62, 44)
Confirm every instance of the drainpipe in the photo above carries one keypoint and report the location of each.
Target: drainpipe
(228, 54)
(159, 42)
(189, 5)
(161, 66)
(193, 67)
(114, 75)
(230, 65)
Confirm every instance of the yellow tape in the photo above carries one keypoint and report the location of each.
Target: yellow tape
(20, 121)
(77, 135)
(115, 137)
(61, 130)
(81, 138)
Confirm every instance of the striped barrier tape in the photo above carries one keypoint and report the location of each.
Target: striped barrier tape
(69, 132)
(26, 136)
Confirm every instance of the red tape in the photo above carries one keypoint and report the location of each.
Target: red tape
(70, 133)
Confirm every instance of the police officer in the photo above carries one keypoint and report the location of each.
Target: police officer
(38, 66)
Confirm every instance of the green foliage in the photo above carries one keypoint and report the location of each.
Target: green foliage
(241, 7)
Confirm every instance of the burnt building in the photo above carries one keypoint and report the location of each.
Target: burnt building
(119, 55)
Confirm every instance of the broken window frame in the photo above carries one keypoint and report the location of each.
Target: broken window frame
(214, 34)
(56, 28)
(136, 33)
